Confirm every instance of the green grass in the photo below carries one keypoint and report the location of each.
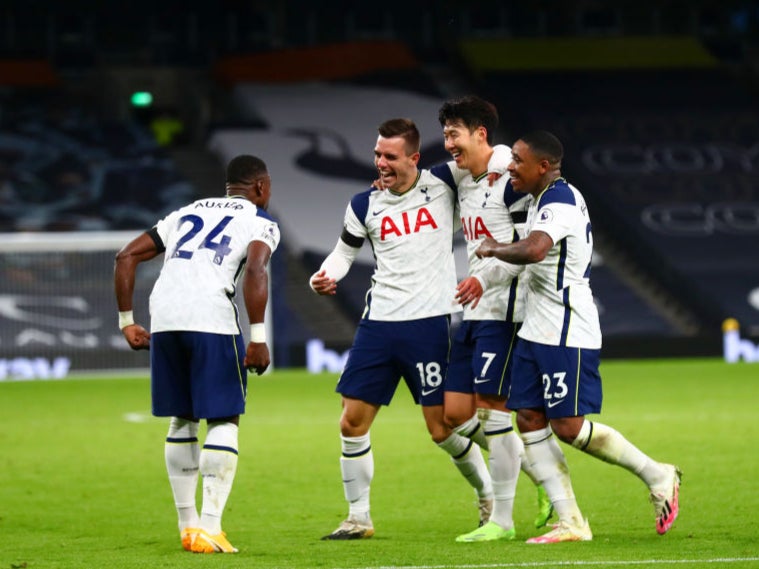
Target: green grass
(81, 486)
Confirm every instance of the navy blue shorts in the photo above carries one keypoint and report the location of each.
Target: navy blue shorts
(383, 352)
(481, 357)
(197, 374)
(563, 381)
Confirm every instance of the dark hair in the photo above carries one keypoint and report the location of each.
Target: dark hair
(544, 145)
(404, 128)
(244, 169)
(473, 112)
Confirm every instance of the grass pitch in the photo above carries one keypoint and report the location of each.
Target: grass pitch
(82, 480)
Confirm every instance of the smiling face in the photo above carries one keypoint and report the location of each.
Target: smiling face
(526, 170)
(397, 169)
(464, 145)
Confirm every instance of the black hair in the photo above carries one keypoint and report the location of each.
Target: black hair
(473, 112)
(244, 169)
(544, 145)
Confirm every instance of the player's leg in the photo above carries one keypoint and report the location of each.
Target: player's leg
(490, 403)
(219, 385)
(496, 343)
(488, 367)
(459, 402)
(607, 444)
(466, 456)
(491, 362)
(171, 396)
(471, 467)
(504, 462)
(218, 466)
(461, 415)
(182, 455)
(461, 405)
(368, 381)
(663, 480)
(424, 363)
(357, 468)
(540, 446)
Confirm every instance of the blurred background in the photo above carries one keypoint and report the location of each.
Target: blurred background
(112, 114)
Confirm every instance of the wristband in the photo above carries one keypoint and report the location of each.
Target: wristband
(126, 318)
(258, 333)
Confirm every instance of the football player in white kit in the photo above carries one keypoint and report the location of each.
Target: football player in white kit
(197, 354)
(479, 373)
(556, 380)
(405, 328)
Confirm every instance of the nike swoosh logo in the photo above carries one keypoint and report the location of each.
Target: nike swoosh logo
(555, 403)
(478, 380)
(349, 480)
(427, 392)
(377, 212)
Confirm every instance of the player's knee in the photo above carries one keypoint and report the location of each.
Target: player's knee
(439, 434)
(529, 420)
(564, 436)
(453, 419)
(437, 428)
(566, 431)
(487, 402)
(353, 426)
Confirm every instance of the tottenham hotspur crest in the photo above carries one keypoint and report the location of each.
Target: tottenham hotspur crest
(485, 202)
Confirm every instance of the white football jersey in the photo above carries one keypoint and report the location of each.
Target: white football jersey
(412, 241)
(206, 248)
(499, 212)
(560, 307)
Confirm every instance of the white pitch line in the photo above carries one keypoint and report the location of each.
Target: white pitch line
(607, 563)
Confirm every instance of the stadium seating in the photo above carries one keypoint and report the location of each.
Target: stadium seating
(663, 146)
(62, 167)
(665, 157)
(317, 130)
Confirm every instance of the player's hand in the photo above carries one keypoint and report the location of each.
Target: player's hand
(469, 291)
(322, 284)
(486, 248)
(493, 176)
(377, 184)
(257, 357)
(137, 337)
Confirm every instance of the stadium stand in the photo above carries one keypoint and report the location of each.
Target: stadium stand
(320, 127)
(660, 135)
(65, 168)
(665, 151)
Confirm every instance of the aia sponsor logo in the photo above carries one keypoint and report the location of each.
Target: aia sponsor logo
(474, 228)
(406, 224)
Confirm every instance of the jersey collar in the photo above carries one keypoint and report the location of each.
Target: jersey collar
(550, 186)
(411, 187)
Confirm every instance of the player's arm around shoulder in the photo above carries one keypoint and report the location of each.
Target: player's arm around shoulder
(500, 159)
